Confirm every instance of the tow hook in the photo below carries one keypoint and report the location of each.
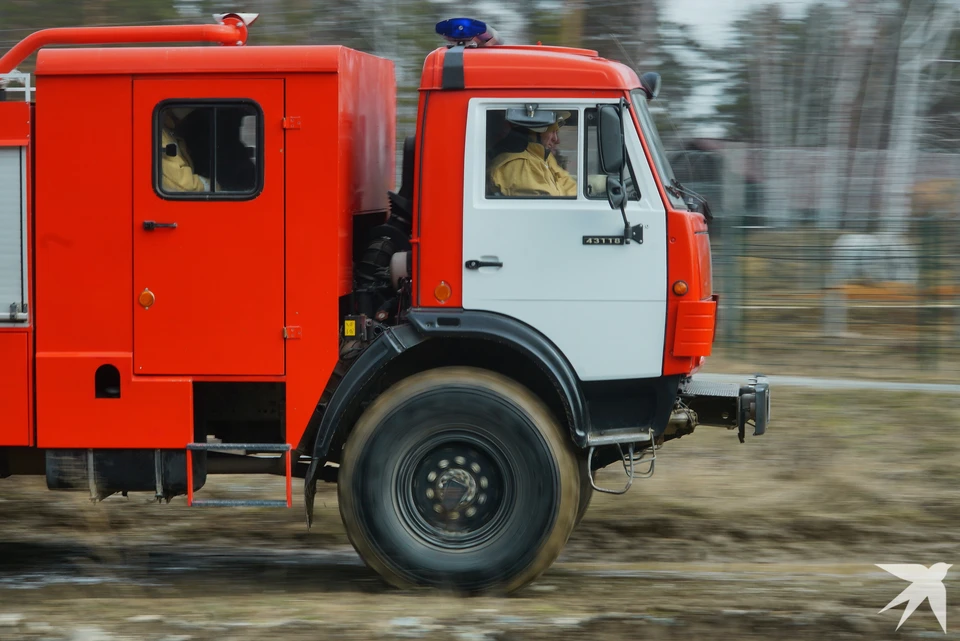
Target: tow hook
(754, 406)
(729, 405)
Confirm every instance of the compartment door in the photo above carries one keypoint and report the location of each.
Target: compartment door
(208, 227)
(13, 237)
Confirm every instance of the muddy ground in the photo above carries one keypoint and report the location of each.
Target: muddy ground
(772, 539)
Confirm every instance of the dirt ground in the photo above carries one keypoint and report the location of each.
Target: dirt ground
(772, 539)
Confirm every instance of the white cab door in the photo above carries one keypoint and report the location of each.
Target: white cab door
(602, 305)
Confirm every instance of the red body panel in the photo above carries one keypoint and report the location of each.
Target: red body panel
(83, 276)
(14, 388)
(14, 124)
(338, 160)
(437, 221)
(217, 277)
(84, 245)
(314, 263)
(324, 191)
(150, 413)
(17, 343)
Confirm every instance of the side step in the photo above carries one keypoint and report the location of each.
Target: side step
(247, 447)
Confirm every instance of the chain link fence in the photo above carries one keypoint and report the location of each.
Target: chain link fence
(806, 291)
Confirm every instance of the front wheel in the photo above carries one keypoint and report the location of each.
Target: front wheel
(458, 478)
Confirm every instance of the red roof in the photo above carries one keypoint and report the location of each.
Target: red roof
(198, 59)
(501, 66)
(532, 67)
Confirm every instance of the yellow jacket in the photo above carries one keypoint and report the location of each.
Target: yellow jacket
(531, 172)
(177, 170)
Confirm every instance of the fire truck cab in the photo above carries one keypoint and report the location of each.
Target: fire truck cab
(203, 259)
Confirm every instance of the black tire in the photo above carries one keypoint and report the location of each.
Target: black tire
(494, 439)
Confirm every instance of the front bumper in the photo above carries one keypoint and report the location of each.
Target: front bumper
(729, 405)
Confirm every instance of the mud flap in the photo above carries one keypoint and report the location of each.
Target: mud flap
(390, 344)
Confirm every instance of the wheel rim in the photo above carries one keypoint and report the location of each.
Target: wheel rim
(454, 490)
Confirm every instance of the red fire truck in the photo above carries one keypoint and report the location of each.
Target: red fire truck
(204, 270)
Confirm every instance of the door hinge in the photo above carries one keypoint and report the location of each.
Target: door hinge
(292, 332)
(291, 122)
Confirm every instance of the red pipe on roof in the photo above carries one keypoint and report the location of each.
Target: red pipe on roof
(233, 31)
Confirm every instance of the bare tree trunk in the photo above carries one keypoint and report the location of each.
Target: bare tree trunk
(858, 32)
(926, 32)
(862, 199)
(571, 26)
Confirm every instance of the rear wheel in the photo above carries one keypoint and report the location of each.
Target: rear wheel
(458, 478)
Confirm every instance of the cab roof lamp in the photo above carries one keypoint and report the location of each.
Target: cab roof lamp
(246, 18)
(468, 32)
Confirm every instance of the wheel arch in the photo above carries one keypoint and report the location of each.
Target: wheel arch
(437, 338)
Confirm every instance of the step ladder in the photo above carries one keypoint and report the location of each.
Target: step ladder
(247, 447)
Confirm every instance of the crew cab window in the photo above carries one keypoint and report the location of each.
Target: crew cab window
(208, 151)
(539, 163)
(595, 183)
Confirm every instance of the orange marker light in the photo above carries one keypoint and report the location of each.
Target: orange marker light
(680, 288)
(147, 298)
(443, 291)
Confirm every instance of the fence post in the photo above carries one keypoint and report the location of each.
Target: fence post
(832, 284)
(737, 312)
(927, 315)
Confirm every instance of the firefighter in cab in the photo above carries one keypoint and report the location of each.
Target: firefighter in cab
(525, 162)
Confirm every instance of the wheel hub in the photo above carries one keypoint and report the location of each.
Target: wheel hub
(456, 490)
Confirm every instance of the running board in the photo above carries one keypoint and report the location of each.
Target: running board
(619, 436)
(237, 503)
(245, 447)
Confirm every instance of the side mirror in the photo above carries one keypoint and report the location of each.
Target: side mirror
(610, 139)
(616, 195)
(650, 82)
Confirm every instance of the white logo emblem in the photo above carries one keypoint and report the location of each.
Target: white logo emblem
(924, 584)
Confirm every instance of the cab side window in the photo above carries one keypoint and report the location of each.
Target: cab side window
(209, 150)
(538, 162)
(595, 184)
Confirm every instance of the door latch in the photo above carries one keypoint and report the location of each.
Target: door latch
(477, 264)
(150, 225)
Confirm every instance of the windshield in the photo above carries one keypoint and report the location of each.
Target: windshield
(652, 136)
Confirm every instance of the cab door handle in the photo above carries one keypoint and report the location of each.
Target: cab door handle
(150, 225)
(477, 264)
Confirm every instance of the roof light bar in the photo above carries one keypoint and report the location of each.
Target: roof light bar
(467, 31)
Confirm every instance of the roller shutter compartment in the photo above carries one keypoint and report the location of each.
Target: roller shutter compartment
(13, 235)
